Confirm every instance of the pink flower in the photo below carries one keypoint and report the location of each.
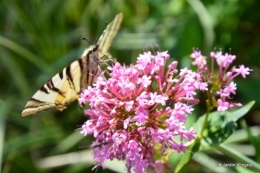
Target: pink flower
(133, 109)
(243, 71)
(178, 147)
(222, 105)
(222, 86)
(199, 60)
(141, 115)
(145, 105)
(145, 81)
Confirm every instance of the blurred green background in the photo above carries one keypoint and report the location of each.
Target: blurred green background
(38, 38)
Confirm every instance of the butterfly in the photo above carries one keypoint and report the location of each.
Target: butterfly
(65, 86)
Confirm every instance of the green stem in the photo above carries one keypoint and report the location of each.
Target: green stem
(204, 123)
(209, 108)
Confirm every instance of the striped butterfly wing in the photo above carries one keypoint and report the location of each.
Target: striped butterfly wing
(106, 38)
(66, 85)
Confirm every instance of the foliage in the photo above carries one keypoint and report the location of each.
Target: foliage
(39, 38)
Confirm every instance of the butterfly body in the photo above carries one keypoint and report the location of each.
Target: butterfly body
(65, 86)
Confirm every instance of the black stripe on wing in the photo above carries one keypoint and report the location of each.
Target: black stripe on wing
(43, 89)
(69, 77)
(61, 74)
(51, 86)
(37, 102)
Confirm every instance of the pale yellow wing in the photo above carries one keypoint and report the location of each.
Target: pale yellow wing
(109, 34)
(66, 85)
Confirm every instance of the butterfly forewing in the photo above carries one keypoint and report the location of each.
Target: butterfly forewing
(66, 85)
(107, 37)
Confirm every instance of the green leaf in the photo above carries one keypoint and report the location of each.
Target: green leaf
(243, 170)
(235, 115)
(254, 140)
(185, 159)
(241, 135)
(68, 142)
(22, 142)
(24, 53)
(193, 148)
(220, 125)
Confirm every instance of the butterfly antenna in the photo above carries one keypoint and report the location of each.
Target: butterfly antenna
(152, 49)
(158, 47)
(146, 49)
(83, 38)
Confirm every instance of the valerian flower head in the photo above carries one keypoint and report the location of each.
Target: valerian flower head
(143, 106)
(221, 85)
(140, 106)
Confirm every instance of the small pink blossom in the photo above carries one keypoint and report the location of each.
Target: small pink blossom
(141, 115)
(145, 81)
(195, 54)
(222, 106)
(243, 70)
(154, 98)
(199, 60)
(178, 147)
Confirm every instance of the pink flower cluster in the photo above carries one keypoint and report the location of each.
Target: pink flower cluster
(221, 85)
(139, 107)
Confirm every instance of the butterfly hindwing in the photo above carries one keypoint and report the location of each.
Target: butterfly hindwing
(66, 85)
(57, 93)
